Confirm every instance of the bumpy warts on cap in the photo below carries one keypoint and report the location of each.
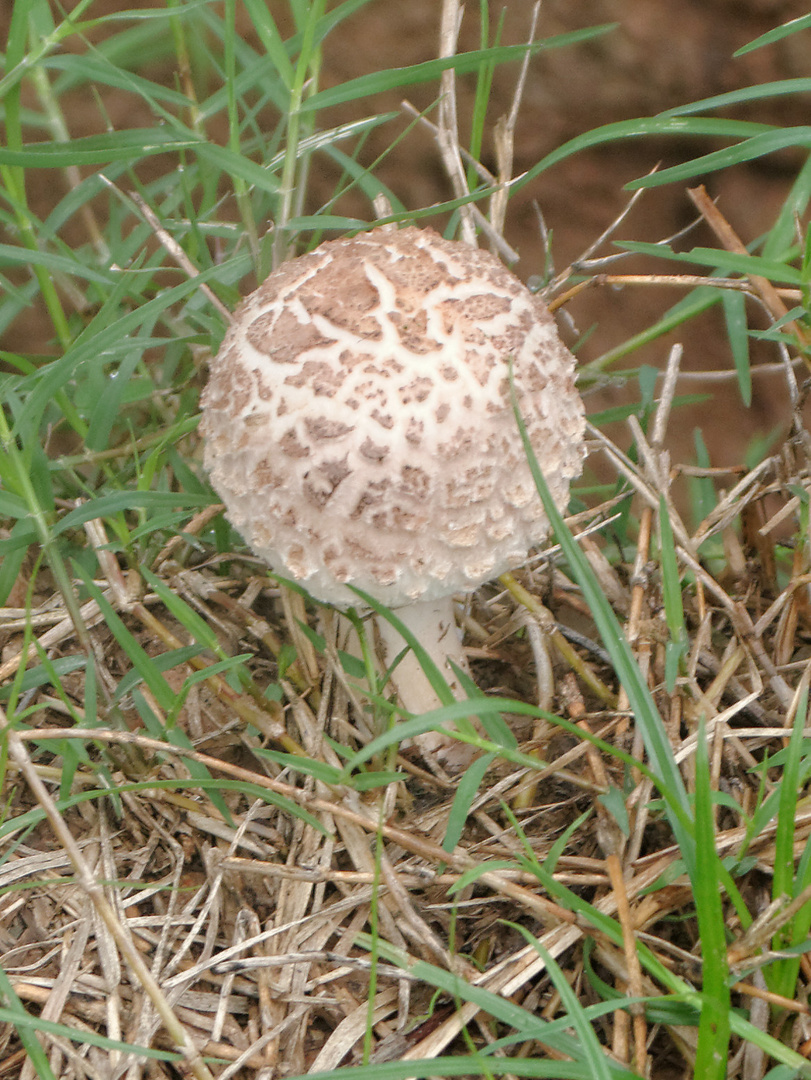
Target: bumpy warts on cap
(359, 424)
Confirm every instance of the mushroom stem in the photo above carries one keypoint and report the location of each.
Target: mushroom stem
(433, 625)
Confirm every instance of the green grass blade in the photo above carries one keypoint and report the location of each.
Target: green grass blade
(271, 40)
(644, 708)
(782, 881)
(78, 70)
(468, 1067)
(779, 88)
(93, 344)
(529, 1025)
(13, 1012)
(141, 662)
(185, 615)
(584, 1033)
(734, 305)
(26, 1026)
(729, 263)
(129, 145)
(462, 63)
(671, 594)
(439, 683)
(466, 789)
(782, 976)
(107, 505)
(713, 1026)
(780, 32)
(783, 233)
(679, 127)
(769, 142)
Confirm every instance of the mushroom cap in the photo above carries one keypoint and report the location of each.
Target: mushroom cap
(358, 421)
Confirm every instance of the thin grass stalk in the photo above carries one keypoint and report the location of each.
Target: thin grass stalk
(241, 190)
(713, 1024)
(287, 186)
(642, 704)
(19, 754)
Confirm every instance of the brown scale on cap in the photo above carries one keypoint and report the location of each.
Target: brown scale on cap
(358, 421)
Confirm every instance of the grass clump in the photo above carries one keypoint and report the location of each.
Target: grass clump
(214, 855)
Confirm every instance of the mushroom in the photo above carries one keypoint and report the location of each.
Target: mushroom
(359, 427)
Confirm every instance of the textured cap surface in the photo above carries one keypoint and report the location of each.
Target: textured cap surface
(358, 422)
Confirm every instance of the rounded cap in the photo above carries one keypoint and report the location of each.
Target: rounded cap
(358, 421)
